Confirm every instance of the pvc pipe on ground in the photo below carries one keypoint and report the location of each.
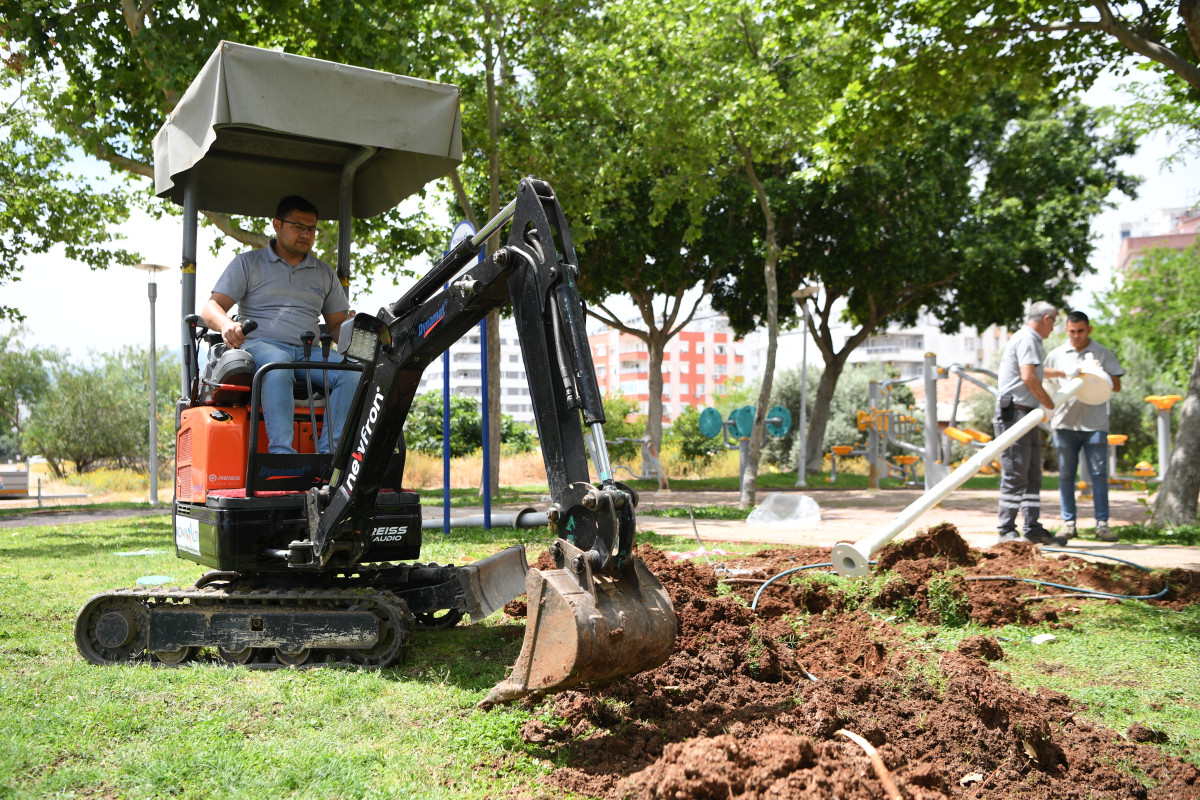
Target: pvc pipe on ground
(852, 560)
(525, 518)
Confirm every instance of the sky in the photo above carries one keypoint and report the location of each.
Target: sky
(81, 311)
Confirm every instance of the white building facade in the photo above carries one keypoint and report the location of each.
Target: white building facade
(466, 372)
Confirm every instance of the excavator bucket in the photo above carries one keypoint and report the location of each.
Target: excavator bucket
(585, 627)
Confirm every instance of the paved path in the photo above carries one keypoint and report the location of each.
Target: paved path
(850, 514)
(78, 515)
(846, 516)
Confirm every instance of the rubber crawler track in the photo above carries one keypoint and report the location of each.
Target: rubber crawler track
(114, 627)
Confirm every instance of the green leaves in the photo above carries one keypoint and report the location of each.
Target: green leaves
(423, 428)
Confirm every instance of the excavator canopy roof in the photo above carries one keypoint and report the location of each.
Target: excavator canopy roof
(257, 124)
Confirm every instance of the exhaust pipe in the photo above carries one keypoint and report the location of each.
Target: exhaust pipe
(1093, 386)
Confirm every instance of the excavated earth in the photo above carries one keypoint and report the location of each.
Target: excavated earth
(752, 703)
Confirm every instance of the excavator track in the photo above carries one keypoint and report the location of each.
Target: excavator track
(236, 621)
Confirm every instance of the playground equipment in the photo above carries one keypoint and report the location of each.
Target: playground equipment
(841, 451)
(884, 426)
(741, 425)
(1093, 386)
(1143, 472)
(650, 463)
(1163, 403)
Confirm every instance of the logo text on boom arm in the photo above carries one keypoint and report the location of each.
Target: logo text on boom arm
(426, 327)
(364, 438)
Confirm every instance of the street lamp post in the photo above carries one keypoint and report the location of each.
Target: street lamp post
(152, 293)
(801, 296)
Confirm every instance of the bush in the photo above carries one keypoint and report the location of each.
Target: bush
(423, 428)
(694, 447)
(617, 412)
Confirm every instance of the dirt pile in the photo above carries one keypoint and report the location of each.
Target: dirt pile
(751, 703)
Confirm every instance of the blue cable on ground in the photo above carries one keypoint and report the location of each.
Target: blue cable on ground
(1078, 589)
(758, 594)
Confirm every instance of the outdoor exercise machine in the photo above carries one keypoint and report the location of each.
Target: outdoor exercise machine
(740, 425)
(1092, 386)
(1163, 402)
(885, 426)
(842, 451)
(1143, 472)
(651, 465)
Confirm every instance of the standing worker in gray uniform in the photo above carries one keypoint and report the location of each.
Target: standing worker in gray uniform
(1019, 392)
(285, 288)
(1078, 426)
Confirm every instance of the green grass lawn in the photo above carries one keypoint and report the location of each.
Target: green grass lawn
(1127, 662)
(206, 731)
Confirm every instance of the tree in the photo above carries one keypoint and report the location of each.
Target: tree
(86, 419)
(657, 267)
(715, 93)
(983, 211)
(696, 448)
(423, 428)
(104, 81)
(42, 204)
(24, 381)
(1168, 283)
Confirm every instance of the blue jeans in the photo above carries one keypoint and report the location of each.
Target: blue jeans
(278, 403)
(1095, 451)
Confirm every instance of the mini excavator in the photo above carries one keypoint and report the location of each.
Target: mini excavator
(310, 552)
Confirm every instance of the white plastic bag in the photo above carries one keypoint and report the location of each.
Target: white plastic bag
(792, 509)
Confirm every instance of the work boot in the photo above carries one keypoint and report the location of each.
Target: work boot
(1009, 536)
(1038, 535)
(1067, 531)
(1105, 533)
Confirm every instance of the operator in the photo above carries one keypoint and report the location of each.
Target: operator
(1019, 392)
(284, 288)
(1077, 425)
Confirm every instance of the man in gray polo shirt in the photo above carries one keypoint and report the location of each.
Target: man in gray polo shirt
(1019, 392)
(1078, 426)
(285, 288)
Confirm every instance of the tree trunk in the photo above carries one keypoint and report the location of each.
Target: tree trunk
(835, 364)
(494, 112)
(1176, 502)
(654, 409)
(750, 468)
(814, 441)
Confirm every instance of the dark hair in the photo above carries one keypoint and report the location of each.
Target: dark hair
(294, 202)
(1077, 316)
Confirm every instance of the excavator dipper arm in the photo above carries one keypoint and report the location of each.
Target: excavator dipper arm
(600, 614)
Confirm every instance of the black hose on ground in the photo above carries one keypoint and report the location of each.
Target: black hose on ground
(1080, 591)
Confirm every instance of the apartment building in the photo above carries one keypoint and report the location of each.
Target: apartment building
(698, 364)
(1173, 228)
(466, 372)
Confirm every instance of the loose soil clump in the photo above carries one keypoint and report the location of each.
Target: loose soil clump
(751, 702)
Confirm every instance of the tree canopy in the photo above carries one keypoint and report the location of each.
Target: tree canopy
(983, 212)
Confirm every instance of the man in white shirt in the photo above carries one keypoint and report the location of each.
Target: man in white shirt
(1079, 426)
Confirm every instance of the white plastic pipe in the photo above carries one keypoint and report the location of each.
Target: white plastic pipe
(852, 560)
